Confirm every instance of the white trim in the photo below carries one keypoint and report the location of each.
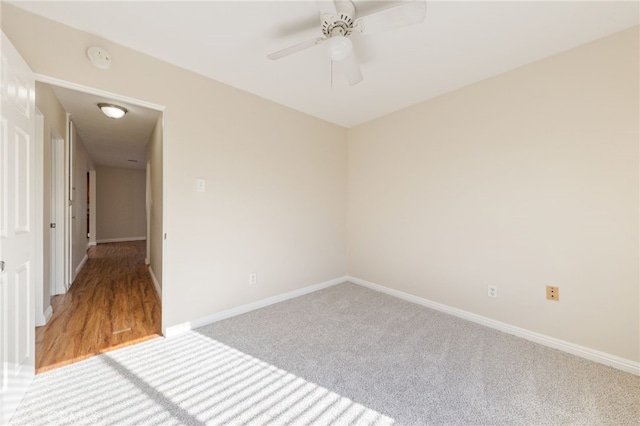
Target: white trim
(93, 91)
(92, 207)
(120, 240)
(40, 318)
(164, 256)
(210, 319)
(147, 208)
(47, 314)
(79, 267)
(92, 244)
(156, 284)
(68, 205)
(614, 361)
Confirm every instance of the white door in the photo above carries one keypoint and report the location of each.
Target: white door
(56, 227)
(17, 225)
(68, 235)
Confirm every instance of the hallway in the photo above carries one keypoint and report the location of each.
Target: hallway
(112, 303)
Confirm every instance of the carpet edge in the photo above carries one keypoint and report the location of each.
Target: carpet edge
(590, 354)
(210, 319)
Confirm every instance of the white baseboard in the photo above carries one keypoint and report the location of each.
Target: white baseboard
(583, 352)
(210, 319)
(47, 314)
(92, 243)
(80, 265)
(42, 318)
(120, 240)
(156, 284)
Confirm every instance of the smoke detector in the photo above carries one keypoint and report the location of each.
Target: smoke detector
(99, 57)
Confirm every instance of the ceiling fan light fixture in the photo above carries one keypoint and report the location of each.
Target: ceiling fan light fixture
(339, 47)
(112, 111)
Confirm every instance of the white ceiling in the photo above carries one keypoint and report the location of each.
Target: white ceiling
(458, 44)
(113, 143)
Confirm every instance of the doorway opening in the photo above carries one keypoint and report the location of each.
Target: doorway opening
(94, 250)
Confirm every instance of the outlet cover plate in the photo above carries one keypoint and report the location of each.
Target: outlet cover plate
(553, 293)
(492, 291)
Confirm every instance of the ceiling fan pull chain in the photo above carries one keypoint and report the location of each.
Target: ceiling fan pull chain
(331, 74)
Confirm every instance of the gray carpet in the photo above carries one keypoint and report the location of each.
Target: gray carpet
(344, 355)
(187, 380)
(419, 366)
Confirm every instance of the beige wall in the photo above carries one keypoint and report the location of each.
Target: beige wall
(154, 239)
(276, 179)
(55, 120)
(120, 204)
(524, 180)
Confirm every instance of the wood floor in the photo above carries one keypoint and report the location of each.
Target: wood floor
(111, 303)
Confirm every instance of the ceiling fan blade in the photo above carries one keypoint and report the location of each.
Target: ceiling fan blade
(296, 27)
(351, 69)
(402, 15)
(326, 7)
(295, 48)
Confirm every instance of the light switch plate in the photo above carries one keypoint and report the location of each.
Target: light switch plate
(200, 185)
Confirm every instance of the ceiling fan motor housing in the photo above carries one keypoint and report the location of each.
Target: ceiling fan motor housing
(342, 23)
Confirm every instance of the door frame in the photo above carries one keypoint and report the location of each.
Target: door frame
(147, 203)
(92, 207)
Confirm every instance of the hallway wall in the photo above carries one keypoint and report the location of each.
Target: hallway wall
(120, 204)
(82, 164)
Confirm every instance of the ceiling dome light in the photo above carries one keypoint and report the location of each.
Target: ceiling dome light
(339, 47)
(112, 111)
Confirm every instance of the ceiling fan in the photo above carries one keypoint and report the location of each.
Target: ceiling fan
(338, 20)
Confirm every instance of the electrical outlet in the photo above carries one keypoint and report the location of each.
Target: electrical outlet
(553, 293)
(253, 278)
(492, 291)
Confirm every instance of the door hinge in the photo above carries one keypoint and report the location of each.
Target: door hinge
(52, 225)
(1, 265)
